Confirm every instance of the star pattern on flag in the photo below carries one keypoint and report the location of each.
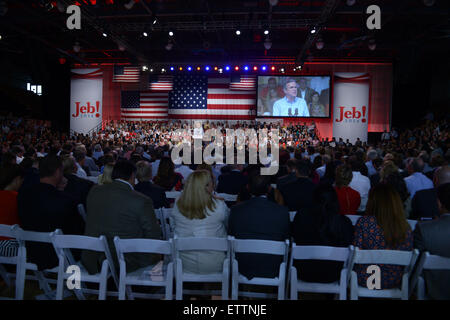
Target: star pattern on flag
(189, 92)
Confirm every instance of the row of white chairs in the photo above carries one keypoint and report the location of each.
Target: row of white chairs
(163, 274)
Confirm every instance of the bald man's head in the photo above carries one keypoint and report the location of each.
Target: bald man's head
(441, 176)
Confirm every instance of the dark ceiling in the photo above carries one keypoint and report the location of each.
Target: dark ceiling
(204, 31)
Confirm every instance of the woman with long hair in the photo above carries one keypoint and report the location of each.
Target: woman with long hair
(198, 213)
(383, 227)
(166, 177)
(322, 225)
(349, 199)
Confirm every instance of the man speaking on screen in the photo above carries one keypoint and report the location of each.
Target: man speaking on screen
(290, 105)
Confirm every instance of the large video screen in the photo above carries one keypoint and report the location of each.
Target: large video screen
(294, 96)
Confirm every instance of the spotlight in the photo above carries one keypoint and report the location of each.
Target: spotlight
(319, 44)
(171, 33)
(246, 68)
(220, 70)
(273, 68)
(163, 70)
(236, 68)
(76, 47)
(172, 68)
(313, 30)
(144, 68)
(207, 68)
(372, 44)
(105, 35)
(266, 32)
(189, 68)
(216, 68)
(180, 68)
(263, 68)
(145, 34)
(155, 20)
(198, 68)
(282, 70)
(129, 5)
(238, 32)
(255, 68)
(151, 70)
(227, 68)
(267, 44)
(0, 37)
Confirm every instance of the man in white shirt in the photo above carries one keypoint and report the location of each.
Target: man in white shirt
(290, 105)
(417, 180)
(371, 155)
(359, 183)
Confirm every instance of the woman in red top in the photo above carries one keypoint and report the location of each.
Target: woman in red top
(349, 199)
(11, 178)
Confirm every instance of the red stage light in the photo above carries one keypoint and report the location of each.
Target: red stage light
(236, 68)
(198, 68)
(62, 60)
(255, 68)
(216, 68)
(273, 68)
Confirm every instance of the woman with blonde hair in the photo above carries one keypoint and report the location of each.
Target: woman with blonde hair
(106, 176)
(383, 227)
(198, 213)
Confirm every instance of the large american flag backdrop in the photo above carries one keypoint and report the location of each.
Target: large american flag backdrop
(192, 97)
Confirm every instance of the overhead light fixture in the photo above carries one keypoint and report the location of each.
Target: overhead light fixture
(144, 68)
(350, 2)
(319, 43)
(155, 20)
(170, 33)
(266, 32)
(163, 70)
(105, 35)
(372, 44)
(313, 30)
(129, 4)
(238, 32)
(145, 34)
(76, 47)
(151, 70)
(0, 37)
(267, 44)
(282, 70)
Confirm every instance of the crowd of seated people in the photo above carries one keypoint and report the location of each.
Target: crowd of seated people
(46, 174)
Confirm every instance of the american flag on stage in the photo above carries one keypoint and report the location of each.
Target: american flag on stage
(203, 97)
(160, 83)
(144, 105)
(126, 74)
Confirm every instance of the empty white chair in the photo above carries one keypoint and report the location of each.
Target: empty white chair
(81, 211)
(18, 261)
(200, 244)
(227, 197)
(158, 275)
(377, 257)
(320, 253)
(172, 194)
(166, 222)
(63, 243)
(292, 215)
(426, 262)
(353, 217)
(262, 247)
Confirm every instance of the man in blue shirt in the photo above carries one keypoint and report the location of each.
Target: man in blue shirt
(290, 105)
(417, 180)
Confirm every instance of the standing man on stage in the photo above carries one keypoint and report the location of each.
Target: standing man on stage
(290, 105)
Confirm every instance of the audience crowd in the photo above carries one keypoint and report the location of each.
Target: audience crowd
(120, 175)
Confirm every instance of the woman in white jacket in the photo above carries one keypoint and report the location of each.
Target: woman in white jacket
(199, 213)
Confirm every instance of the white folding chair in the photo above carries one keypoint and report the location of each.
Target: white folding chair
(166, 222)
(157, 275)
(292, 215)
(228, 197)
(202, 244)
(18, 261)
(262, 247)
(63, 243)
(427, 261)
(160, 218)
(376, 257)
(412, 224)
(353, 217)
(81, 211)
(320, 253)
(172, 194)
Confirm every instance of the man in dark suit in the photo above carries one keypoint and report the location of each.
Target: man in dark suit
(156, 193)
(424, 202)
(433, 236)
(76, 186)
(116, 209)
(304, 91)
(44, 207)
(297, 195)
(232, 182)
(291, 176)
(259, 218)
